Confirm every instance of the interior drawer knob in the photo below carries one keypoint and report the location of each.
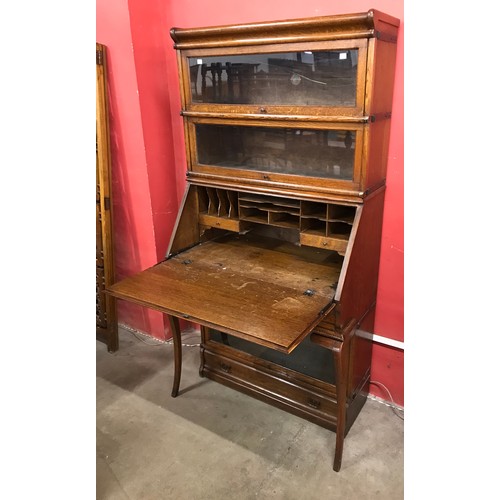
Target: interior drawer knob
(313, 403)
(225, 368)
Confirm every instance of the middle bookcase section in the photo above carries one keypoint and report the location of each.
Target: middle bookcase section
(292, 151)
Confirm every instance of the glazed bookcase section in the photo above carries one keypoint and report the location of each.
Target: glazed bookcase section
(289, 106)
(322, 78)
(325, 153)
(296, 155)
(317, 224)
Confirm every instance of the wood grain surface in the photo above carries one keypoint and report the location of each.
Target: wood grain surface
(262, 289)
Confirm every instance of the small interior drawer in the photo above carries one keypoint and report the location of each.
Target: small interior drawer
(337, 244)
(221, 222)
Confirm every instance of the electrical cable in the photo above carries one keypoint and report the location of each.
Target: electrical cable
(144, 342)
(158, 342)
(394, 407)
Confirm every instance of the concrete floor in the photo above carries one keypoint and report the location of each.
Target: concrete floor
(212, 442)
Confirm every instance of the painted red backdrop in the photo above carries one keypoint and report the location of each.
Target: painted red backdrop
(149, 158)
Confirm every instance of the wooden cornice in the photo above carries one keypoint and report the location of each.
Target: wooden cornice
(371, 24)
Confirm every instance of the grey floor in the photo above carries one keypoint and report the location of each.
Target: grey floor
(214, 443)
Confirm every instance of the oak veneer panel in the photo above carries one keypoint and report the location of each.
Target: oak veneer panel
(186, 231)
(380, 93)
(360, 355)
(357, 290)
(377, 151)
(251, 287)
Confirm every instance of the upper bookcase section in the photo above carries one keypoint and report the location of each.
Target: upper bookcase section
(315, 67)
(287, 106)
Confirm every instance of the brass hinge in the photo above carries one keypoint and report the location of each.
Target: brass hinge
(99, 57)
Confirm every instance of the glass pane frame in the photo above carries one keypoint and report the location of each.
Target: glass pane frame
(265, 177)
(356, 111)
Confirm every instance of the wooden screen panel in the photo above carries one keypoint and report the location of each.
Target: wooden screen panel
(106, 323)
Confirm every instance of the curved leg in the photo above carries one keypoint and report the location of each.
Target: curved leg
(176, 335)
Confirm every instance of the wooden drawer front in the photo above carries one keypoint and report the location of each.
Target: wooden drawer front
(220, 222)
(328, 328)
(281, 390)
(339, 245)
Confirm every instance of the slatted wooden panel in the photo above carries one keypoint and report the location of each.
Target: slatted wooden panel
(106, 323)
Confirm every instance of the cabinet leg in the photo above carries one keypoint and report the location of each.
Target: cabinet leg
(340, 363)
(204, 339)
(176, 335)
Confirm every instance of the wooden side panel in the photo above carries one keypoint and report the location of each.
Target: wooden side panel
(186, 230)
(359, 289)
(382, 73)
(378, 105)
(360, 356)
(377, 150)
(348, 253)
(106, 322)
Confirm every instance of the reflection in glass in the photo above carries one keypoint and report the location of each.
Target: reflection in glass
(321, 78)
(314, 153)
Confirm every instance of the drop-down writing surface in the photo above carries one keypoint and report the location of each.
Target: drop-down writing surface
(261, 289)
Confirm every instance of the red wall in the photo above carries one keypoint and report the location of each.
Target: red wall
(149, 157)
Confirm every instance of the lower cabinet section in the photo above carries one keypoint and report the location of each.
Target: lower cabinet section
(302, 382)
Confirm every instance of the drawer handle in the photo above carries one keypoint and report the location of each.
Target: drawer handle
(313, 403)
(225, 368)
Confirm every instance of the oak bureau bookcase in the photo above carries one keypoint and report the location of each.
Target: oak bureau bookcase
(275, 252)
